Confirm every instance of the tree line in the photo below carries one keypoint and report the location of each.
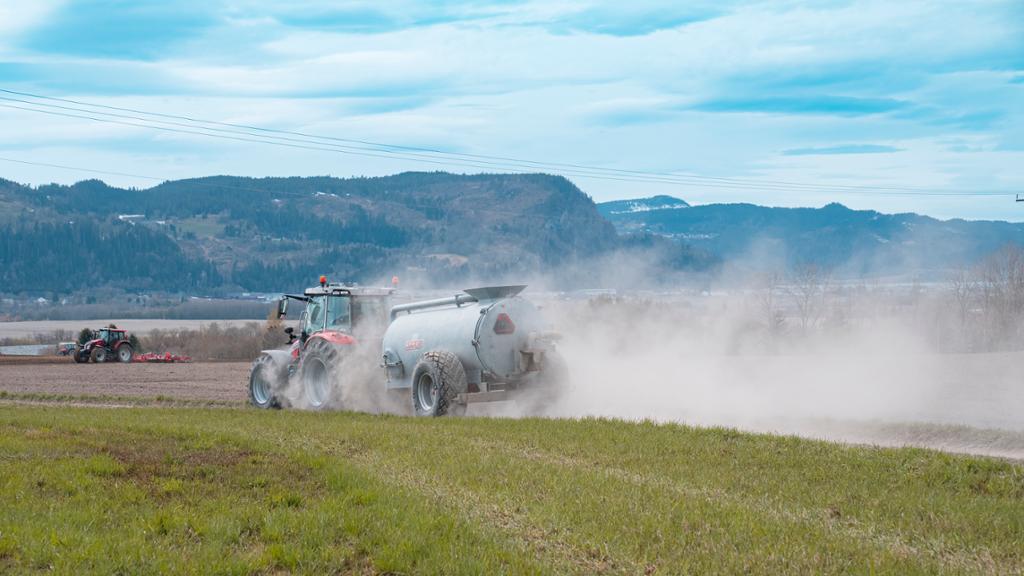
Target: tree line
(71, 257)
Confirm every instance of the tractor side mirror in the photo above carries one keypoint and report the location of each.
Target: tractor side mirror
(282, 308)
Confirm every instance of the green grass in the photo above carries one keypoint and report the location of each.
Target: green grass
(113, 400)
(188, 490)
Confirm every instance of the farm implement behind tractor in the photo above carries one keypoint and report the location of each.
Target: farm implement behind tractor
(165, 358)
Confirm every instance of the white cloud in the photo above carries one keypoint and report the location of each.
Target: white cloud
(17, 18)
(542, 80)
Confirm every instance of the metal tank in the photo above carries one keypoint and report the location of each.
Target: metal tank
(478, 345)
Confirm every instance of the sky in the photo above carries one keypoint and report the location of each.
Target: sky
(874, 104)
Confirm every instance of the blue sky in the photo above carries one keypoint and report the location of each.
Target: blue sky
(872, 95)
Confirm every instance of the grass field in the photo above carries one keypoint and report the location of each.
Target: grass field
(193, 490)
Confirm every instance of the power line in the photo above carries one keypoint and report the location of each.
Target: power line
(578, 169)
(380, 146)
(324, 148)
(63, 167)
(439, 157)
(318, 146)
(149, 121)
(199, 131)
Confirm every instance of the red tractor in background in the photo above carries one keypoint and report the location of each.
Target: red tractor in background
(107, 344)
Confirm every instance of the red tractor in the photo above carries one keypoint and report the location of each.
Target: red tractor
(107, 344)
(336, 316)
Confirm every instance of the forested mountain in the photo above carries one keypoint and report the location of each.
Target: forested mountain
(63, 258)
(850, 242)
(273, 234)
(227, 234)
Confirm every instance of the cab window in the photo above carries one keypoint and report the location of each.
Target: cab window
(339, 313)
(314, 315)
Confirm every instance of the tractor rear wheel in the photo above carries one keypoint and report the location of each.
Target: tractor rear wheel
(125, 353)
(437, 380)
(318, 372)
(265, 379)
(98, 354)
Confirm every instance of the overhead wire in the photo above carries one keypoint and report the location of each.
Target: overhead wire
(686, 178)
(200, 132)
(535, 163)
(244, 133)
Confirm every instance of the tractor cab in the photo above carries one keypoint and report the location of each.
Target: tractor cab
(335, 307)
(110, 336)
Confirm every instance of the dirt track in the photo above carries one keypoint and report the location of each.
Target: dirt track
(217, 381)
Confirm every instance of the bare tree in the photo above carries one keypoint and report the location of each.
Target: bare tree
(963, 284)
(807, 287)
(1001, 289)
(769, 284)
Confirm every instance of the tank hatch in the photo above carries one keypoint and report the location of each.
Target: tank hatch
(494, 292)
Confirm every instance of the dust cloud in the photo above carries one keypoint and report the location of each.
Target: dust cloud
(937, 365)
(716, 362)
(356, 384)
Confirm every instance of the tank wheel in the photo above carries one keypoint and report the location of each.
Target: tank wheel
(317, 373)
(98, 354)
(125, 353)
(437, 380)
(265, 378)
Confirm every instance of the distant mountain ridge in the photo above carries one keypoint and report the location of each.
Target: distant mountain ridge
(225, 234)
(852, 242)
(272, 234)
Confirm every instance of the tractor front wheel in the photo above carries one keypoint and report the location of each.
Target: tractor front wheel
(266, 378)
(125, 353)
(437, 381)
(98, 354)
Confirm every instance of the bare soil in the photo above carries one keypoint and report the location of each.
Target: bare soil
(57, 379)
(10, 360)
(215, 381)
(138, 326)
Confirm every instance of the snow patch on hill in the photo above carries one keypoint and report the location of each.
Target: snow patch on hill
(643, 205)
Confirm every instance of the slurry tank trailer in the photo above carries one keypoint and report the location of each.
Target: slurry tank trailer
(483, 344)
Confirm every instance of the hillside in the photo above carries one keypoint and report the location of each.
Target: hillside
(852, 242)
(616, 207)
(225, 234)
(275, 233)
